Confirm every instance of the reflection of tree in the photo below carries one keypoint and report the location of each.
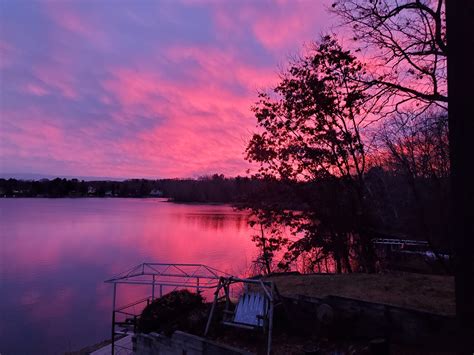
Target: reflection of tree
(217, 221)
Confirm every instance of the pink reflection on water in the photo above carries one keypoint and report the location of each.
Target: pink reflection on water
(55, 255)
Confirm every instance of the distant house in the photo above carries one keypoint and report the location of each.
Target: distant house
(156, 193)
(91, 190)
(109, 193)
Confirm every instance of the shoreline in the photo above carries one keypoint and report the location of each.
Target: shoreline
(162, 199)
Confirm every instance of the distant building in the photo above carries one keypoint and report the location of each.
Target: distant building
(91, 190)
(156, 193)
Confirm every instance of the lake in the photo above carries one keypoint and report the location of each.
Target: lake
(56, 253)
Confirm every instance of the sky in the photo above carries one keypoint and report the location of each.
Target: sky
(152, 89)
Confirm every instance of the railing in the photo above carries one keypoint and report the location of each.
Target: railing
(400, 242)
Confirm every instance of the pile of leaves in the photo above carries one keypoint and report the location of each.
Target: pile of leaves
(181, 310)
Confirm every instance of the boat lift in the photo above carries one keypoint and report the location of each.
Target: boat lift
(162, 278)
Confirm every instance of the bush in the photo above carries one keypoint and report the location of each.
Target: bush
(171, 312)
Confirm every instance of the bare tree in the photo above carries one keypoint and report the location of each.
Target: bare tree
(417, 147)
(405, 44)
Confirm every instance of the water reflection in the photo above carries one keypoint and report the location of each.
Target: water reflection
(218, 221)
(55, 254)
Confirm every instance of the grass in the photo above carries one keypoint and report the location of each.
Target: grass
(431, 293)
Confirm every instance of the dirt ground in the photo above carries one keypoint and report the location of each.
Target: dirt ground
(432, 293)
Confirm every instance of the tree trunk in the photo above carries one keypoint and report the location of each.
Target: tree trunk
(347, 259)
(460, 20)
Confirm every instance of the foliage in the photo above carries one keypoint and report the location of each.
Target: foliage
(269, 240)
(311, 132)
(216, 188)
(170, 312)
(311, 123)
(312, 137)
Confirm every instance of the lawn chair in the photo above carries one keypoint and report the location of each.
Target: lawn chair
(251, 311)
(254, 309)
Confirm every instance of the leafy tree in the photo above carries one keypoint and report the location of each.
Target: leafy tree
(312, 121)
(310, 131)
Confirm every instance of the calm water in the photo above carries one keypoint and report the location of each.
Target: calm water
(55, 254)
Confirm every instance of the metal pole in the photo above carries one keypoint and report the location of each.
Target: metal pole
(161, 290)
(113, 319)
(153, 289)
(227, 295)
(216, 295)
(270, 323)
(197, 288)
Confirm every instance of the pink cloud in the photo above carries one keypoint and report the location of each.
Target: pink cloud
(7, 54)
(57, 77)
(206, 89)
(36, 90)
(206, 124)
(280, 26)
(82, 24)
(34, 136)
(223, 66)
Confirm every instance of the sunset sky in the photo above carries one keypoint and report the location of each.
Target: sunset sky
(150, 89)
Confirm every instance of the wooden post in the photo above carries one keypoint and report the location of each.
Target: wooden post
(197, 288)
(459, 22)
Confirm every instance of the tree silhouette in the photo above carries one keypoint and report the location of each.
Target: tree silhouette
(417, 149)
(405, 41)
(311, 122)
(311, 132)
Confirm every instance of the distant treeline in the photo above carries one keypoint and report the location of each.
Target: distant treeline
(207, 189)
(394, 209)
